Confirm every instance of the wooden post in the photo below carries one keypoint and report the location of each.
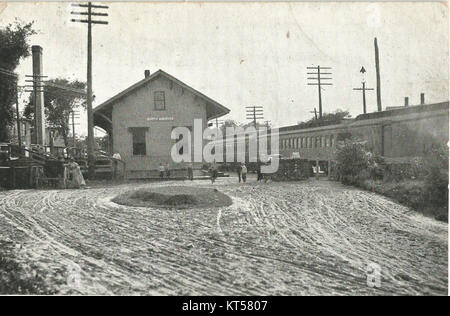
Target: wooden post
(317, 169)
(377, 67)
(320, 92)
(13, 175)
(364, 97)
(329, 169)
(90, 114)
(19, 134)
(363, 89)
(73, 129)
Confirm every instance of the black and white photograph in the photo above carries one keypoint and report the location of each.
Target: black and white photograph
(224, 154)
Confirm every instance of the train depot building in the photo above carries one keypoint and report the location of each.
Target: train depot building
(140, 120)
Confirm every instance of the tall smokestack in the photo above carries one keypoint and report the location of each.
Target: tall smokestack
(406, 101)
(377, 67)
(422, 98)
(39, 118)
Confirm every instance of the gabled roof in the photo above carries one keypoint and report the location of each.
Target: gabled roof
(219, 109)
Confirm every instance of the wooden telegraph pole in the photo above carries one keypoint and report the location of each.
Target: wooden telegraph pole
(73, 113)
(19, 134)
(363, 89)
(315, 113)
(254, 113)
(90, 114)
(317, 81)
(377, 67)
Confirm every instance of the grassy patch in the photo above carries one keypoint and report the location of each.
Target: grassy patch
(179, 197)
(411, 193)
(13, 277)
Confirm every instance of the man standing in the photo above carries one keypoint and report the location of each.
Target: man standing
(161, 170)
(190, 171)
(244, 172)
(258, 171)
(168, 170)
(213, 172)
(116, 158)
(239, 170)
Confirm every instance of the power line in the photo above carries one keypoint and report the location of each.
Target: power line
(363, 89)
(89, 6)
(48, 83)
(315, 113)
(254, 113)
(9, 73)
(317, 81)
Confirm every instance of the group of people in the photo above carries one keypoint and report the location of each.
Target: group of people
(165, 171)
(242, 172)
(73, 175)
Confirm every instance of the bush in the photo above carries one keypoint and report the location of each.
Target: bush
(354, 163)
(436, 175)
(413, 169)
(421, 184)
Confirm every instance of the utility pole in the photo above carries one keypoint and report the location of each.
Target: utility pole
(315, 113)
(73, 113)
(38, 104)
(254, 113)
(317, 82)
(218, 122)
(19, 134)
(363, 89)
(377, 67)
(6, 72)
(73, 128)
(90, 114)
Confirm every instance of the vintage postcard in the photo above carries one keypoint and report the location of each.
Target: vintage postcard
(253, 149)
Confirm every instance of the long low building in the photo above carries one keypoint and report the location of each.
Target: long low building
(396, 134)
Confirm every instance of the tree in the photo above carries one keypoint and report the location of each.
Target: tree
(59, 103)
(327, 119)
(13, 47)
(229, 123)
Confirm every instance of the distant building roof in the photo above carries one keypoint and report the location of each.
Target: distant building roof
(403, 110)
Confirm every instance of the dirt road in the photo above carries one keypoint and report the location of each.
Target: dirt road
(312, 237)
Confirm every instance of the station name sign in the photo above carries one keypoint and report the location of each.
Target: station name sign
(164, 118)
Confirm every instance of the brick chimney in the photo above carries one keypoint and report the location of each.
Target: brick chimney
(39, 136)
(406, 101)
(422, 98)
(147, 73)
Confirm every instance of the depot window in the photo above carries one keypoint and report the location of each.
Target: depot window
(159, 99)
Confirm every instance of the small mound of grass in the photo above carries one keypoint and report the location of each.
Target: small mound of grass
(178, 197)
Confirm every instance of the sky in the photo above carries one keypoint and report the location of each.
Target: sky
(245, 54)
